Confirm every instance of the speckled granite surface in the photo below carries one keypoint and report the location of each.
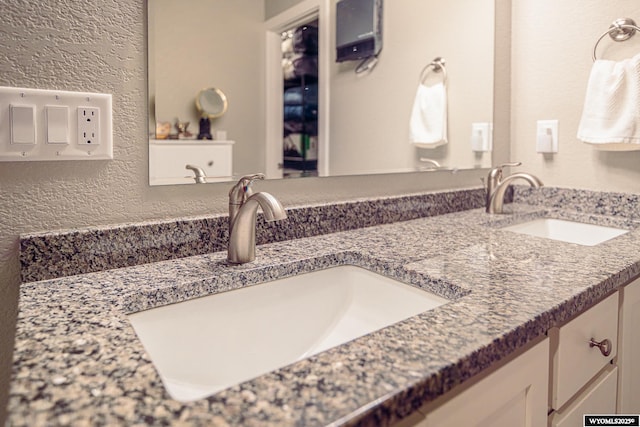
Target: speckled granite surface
(584, 201)
(64, 253)
(77, 360)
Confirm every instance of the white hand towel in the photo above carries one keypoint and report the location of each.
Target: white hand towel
(428, 124)
(611, 115)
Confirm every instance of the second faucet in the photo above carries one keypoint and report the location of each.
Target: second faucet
(497, 186)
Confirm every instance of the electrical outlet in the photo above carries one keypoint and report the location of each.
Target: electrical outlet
(89, 125)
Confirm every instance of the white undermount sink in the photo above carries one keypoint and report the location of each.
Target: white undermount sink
(567, 231)
(205, 345)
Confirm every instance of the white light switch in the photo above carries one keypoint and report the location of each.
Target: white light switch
(23, 124)
(547, 136)
(57, 117)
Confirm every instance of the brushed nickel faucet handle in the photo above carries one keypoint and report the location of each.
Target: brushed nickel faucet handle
(248, 179)
(495, 174)
(510, 164)
(242, 189)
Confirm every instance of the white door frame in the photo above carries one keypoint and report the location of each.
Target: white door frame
(298, 14)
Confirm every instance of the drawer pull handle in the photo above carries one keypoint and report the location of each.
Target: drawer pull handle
(604, 346)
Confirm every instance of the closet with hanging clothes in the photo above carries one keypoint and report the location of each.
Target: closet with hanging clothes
(300, 70)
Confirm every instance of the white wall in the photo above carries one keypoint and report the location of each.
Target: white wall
(369, 126)
(212, 44)
(551, 59)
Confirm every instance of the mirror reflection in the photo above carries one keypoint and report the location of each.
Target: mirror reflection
(351, 124)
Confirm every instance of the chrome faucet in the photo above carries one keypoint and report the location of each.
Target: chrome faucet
(243, 208)
(200, 176)
(497, 186)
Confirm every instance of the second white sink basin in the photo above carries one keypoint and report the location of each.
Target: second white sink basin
(567, 231)
(205, 345)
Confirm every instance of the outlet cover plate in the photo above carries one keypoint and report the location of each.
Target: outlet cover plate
(42, 149)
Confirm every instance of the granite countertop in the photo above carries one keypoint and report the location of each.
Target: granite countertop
(78, 361)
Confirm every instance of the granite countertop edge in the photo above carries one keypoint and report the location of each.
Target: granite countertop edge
(77, 359)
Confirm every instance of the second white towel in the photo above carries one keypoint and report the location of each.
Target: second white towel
(611, 115)
(428, 124)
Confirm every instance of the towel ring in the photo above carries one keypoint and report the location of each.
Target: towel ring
(438, 65)
(620, 30)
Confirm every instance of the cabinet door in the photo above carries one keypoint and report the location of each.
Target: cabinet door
(629, 352)
(512, 396)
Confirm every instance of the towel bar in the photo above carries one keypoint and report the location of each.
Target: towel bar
(438, 65)
(620, 30)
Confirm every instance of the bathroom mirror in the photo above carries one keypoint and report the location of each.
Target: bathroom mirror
(211, 103)
(193, 43)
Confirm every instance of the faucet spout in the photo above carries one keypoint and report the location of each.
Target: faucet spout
(271, 207)
(497, 187)
(534, 181)
(242, 221)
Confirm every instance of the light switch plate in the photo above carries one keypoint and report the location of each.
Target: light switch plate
(50, 130)
(481, 137)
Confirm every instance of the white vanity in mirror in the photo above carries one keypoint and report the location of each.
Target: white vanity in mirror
(169, 159)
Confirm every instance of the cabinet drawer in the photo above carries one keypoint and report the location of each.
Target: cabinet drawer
(598, 398)
(167, 160)
(574, 362)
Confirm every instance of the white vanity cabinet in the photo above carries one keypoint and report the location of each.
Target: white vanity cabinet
(589, 365)
(515, 394)
(629, 350)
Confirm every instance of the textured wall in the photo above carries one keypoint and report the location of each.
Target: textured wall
(100, 46)
(551, 65)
